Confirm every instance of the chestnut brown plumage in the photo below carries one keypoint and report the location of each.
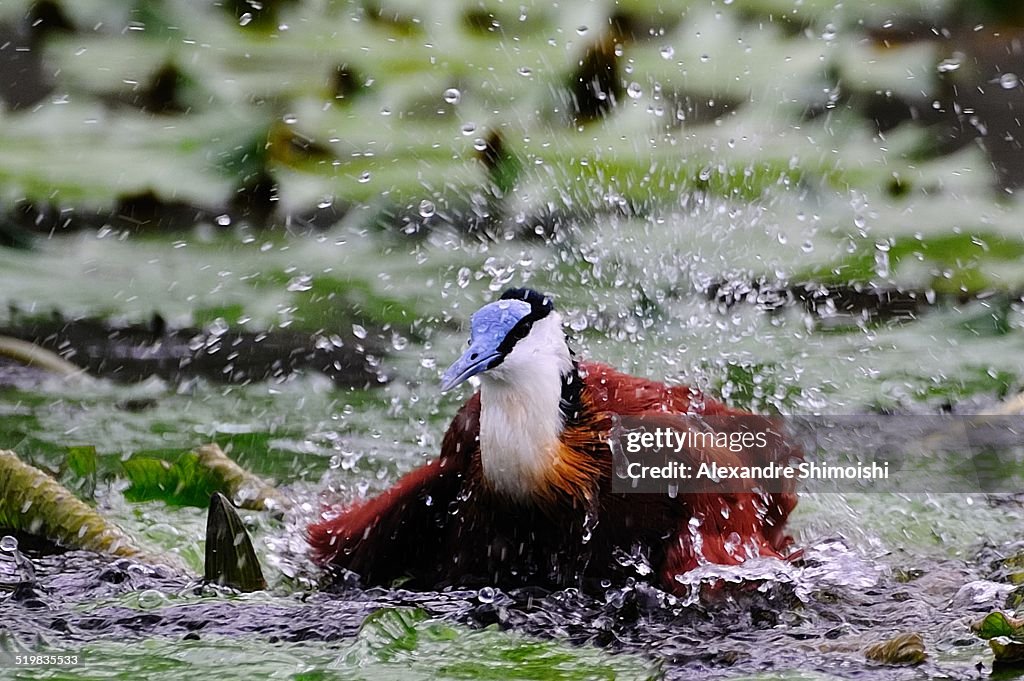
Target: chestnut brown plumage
(447, 523)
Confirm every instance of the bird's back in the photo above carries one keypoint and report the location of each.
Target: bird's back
(695, 526)
(442, 524)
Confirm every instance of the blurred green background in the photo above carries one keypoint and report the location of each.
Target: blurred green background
(804, 206)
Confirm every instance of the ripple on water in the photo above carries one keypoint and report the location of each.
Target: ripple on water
(766, 615)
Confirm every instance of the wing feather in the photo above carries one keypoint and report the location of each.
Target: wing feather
(399, 532)
(704, 525)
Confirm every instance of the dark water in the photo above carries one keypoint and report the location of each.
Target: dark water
(816, 615)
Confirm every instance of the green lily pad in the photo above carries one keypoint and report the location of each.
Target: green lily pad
(408, 642)
(997, 624)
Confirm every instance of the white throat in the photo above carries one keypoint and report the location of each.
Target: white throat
(520, 415)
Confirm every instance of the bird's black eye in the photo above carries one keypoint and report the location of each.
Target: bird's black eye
(474, 355)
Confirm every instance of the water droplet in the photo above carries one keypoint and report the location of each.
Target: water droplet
(290, 119)
(582, 29)
(705, 174)
(468, 129)
(668, 52)
(150, 599)
(9, 544)
(634, 90)
(480, 144)
(359, 331)
(218, 327)
(485, 595)
(829, 33)
(705, 58)
(385, 111)
(427, 208)
(244, 19)
(223, 220)
(325, 202)
(365, 177)
(732, 543)
(303, 282)
(1008, 81)
(462, 279)
(807, 247)
(525, 71)
(950, 64)
(452, 95)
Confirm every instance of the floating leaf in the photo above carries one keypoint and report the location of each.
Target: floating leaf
(1005, 636)
(195, 476)
(901, 649)
(79, 470)
(993, 319)
(957, 260)
(181, 483)
(402, 642)
(998, 624)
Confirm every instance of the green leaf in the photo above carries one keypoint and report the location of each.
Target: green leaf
(194, 477)
(992, 320)
(79, 470)
(755, 386)
(998, 624)
(81, 461)
(182, 483)
(957, 260)
(405, 643)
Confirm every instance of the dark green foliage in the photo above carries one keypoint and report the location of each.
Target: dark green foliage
(14, 236)
(80, 470)
(756, 387)
(957, 261)
(181, 483)
(993, 319)
(230, 558)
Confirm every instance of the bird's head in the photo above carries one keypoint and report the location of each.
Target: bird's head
(515, 337)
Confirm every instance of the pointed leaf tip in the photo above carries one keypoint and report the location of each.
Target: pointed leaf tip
(230, 557)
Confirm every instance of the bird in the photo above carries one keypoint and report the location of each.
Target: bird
(523, 492)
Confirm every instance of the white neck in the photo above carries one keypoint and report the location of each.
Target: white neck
(520, 415)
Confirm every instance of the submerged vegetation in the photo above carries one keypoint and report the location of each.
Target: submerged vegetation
(261, 224)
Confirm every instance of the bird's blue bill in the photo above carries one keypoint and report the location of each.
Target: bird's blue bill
(488, 328)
